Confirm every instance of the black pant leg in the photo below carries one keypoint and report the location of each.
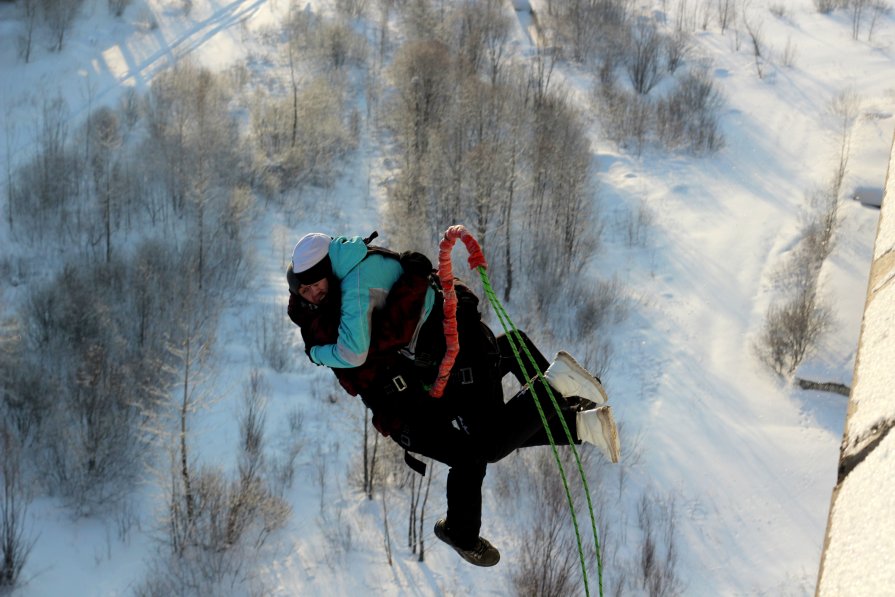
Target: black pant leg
(509, 364)
(464, 501)
(518, 424)
(539, 438)
(441, 439)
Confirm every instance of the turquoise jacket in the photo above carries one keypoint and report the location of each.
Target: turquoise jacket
(365, 283)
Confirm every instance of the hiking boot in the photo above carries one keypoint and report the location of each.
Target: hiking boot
(569, 378)
(481, 554)
(597, 426)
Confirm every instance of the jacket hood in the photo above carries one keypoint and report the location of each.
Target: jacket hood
(345, 253)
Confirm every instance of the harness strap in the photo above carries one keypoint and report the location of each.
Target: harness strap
(415, 463)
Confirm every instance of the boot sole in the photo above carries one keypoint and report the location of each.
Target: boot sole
(443, 536)
(573, 364)
(610, 430)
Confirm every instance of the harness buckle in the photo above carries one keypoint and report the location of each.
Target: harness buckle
(399, 383)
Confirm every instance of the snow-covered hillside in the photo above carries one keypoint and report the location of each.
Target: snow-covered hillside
(697, 243)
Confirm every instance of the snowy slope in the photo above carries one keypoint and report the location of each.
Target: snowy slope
(749, 460)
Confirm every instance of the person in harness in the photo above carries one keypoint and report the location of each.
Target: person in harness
(374, 318)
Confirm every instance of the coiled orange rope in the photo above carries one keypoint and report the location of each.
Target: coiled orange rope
(446, 277)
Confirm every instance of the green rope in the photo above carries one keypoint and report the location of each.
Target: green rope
(510, 330)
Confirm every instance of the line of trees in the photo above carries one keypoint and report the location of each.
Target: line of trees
(493, 147)
(303, 126)
(139, 218)
(52, 20)
(648, 92)
(797, 320)
(863, 13)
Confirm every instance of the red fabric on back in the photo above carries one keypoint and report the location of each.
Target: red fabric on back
(446, 276)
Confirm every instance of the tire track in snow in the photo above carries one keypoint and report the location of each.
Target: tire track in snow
(113, 68)
(219, 21)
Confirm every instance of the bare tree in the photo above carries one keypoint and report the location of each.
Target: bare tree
(878, 9)
(657, 520)
(233, 522)
(560, 204)
(540, 73)
(757, 39)
(117, 7)
(59, 16)
(726, 13)
(479, 32)
(549, 564)
(30, 11)
(105, 139)
(16, 542)
(820, 227)
(583, 25)
(301, 134)
(791, 331)
(421, 18)
(298, 28)
(281, 468)
(826, 6)
(845, 107)
(422, 518)
(183, 515)
(385, 7)
(352, 8)
(688, 117)
(208, 516)
(794, 324)
(587, 28)
(273, 338)
(789, 53)
(856, 9)
(166, 144)
(467, 31)
(369, 458)
(625, 116)
(416, 513)
(324, 130)
(9, 136)
(643, 64)
(496, 36)
(339, 45)
(515, 156)
(87, 447)
(387, 538)
(251, 426)
(195, 152)
(46, 189)
(677, 46)
(425, 85)
(466, 171)
(423, 78)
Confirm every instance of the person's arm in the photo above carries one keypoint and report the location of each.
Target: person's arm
(364, 288)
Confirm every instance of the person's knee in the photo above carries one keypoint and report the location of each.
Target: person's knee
(504, 341)
(492, 453)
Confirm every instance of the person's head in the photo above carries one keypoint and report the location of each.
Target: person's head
(311, 267)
